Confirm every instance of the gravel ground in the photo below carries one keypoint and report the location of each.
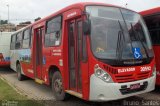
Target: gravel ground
(43, 93)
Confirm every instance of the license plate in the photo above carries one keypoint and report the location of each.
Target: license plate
(135, 86)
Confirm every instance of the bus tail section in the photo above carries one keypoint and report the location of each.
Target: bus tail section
(5, 49)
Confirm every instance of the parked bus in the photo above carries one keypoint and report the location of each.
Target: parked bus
(5, 48)
(94, 51)
(152, 19)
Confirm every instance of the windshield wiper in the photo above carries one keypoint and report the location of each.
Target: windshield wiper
(119, 48)
(121, 30)
(145, 49)
(120, 42)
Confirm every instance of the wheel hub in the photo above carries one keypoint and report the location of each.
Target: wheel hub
(58, 86)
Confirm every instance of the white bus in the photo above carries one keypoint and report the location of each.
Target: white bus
(5, 38)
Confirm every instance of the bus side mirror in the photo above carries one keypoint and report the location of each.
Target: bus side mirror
(86, 27)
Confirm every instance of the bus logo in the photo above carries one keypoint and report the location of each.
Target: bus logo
(137, 53)
(71, 14)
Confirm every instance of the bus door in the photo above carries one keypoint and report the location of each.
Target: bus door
(75, 50)
(39, 32)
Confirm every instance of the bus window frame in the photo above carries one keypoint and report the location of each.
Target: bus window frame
(150, 16)
(13, 42)
(61, 30)
(82, 58)
(18, 41)
(30, 37)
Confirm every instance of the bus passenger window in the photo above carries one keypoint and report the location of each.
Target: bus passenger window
(13, 41)
(26, 39)
(53, 32)
(19, 40)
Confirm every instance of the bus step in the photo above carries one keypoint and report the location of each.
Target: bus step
(39, 81)
(79, 95)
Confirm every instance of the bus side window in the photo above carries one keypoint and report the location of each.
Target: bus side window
(19, 40)
(26, 39)
(155, 37)
(13, 41)
(53, 32)
(154, 29)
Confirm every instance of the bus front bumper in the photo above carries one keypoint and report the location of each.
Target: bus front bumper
(102, 91)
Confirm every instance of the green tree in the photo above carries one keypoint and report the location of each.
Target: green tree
(3, 22)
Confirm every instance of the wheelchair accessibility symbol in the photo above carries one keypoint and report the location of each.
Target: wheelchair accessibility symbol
(137, 53)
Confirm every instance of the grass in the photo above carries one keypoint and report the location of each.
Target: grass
(10, 96)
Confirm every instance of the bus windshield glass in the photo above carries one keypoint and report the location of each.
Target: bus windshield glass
(118, 34)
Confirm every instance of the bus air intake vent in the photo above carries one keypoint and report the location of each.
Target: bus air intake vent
(132, 77)
(143, 75)
(111, 70)
(125, 78)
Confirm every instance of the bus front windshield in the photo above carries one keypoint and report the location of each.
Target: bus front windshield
(118, 34)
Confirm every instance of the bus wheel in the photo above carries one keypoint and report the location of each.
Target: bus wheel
(19, 75)
(57, 86)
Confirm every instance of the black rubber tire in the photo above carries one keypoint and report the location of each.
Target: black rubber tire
(59, 96)
(19, 74)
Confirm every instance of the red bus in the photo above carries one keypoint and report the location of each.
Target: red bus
(94, 51)
(152, 19)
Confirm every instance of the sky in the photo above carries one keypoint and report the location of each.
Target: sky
(28, 10)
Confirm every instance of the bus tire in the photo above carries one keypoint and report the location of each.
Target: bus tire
(19, 74)
(57, 86)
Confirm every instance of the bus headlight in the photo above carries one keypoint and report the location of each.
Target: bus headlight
(106, 77)
(154, 71)
(100, 73)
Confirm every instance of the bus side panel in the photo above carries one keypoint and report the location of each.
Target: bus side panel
(46, 65)
(51, 57)
(50, 60)
(57, 56)
(157, 58)
(26, 62)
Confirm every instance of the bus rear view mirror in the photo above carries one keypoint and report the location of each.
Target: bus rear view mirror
(86, 27)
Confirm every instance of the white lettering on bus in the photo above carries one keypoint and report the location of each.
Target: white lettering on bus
(126, 70)
(72, 14)
(147, 68)
(56, 54)
(57, 50)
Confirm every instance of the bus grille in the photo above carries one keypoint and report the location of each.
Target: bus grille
(111, 70)
(127, 77)
(143, 75)
(132, 77)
